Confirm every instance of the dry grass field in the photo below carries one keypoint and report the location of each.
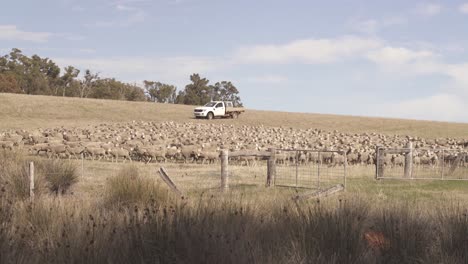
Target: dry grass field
(23, 111)
(122, 213)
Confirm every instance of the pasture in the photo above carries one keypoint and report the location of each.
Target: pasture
(123, 201)
(25, 112)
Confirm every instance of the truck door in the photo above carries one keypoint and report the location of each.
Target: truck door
(219, 109)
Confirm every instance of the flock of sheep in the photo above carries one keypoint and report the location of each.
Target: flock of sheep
(195, 142)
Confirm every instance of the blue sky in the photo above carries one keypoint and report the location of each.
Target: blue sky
(404, 59)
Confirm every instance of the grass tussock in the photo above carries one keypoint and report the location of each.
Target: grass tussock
(129, 187)
(59, 175)
(14, 175)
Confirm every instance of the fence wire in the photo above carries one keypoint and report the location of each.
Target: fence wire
(310, 169)
(426, 164)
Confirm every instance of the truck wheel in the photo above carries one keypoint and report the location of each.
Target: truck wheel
(234, 115)
(210, 116)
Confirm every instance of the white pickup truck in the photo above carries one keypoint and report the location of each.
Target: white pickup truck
(218, 109)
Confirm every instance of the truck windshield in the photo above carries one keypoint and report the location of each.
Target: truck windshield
(211, 104)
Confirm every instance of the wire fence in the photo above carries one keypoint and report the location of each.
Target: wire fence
(190, 176)
(310, 168)
(425, 164)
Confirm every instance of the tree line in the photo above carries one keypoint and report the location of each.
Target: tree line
(42, 76)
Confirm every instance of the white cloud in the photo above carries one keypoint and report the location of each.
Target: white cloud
(442, 107)
(405, 61)
(398, 56)
(459, 72)
(429, 9)
(464, 8)
(310, 51)
(11, 32)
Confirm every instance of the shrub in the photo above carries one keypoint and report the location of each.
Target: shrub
(129, 187)
(59, 175)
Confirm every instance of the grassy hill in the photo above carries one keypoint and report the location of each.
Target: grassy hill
(27, 111)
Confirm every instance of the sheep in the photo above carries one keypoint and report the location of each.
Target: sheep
(156, 154)
(189, 152)
(249, 160)
(7, 145)
(187, 142)
(95, 152)
(38, 148)
(117, 153)
(209, 156)
(74, 151)
(171, 153)
(281, 158)
(353, 158)
(398, 160)
(337, 159)
(57, 150)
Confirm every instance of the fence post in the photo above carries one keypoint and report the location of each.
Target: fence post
(31, 181)
(379, 164)
(319, 164)
(297, 165)
(271, 166)
(409, 161)
(442, 164)
(224, 169)
(345, 167)
(82, 165)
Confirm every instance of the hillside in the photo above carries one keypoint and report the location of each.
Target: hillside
(25, 111)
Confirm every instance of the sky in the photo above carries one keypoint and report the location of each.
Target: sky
(402, 59)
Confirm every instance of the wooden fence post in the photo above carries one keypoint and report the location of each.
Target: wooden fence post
(82, 165)
(224, 169)
(379, 163)
(271, 167)
(345, 168)
(31, 181)
(409, 160)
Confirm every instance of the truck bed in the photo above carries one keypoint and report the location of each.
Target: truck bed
(235, 109)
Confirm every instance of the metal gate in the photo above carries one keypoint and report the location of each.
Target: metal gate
(312, 169)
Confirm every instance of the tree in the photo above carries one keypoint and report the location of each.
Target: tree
(8, 83)
(88, 83)
(34, 75)
(110, 88)
(197, 92)
(160, 92)
(69, 77)
(225, 91)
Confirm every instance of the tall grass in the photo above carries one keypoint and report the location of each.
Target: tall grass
(136, 221)
(66, 230)
(129, 187)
